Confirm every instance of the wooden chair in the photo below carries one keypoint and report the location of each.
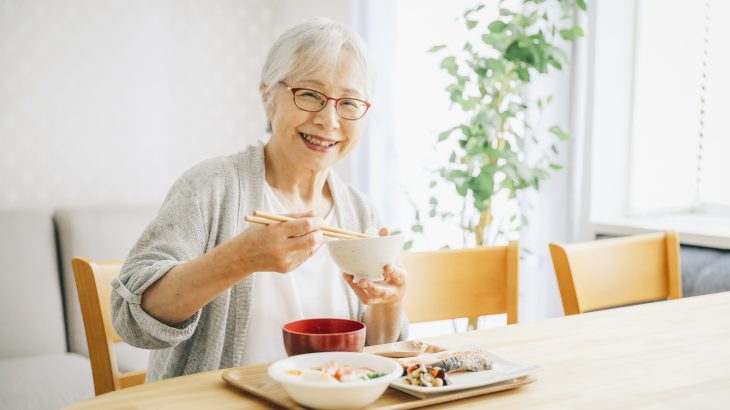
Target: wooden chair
(449, 284)
(618, 271)
(93, 283)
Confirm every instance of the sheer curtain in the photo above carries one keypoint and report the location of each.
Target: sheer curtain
(373, 162)
(558, 211)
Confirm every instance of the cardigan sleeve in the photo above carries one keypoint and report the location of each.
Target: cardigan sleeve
(176, 235)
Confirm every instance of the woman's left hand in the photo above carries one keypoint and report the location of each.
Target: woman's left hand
(389, 291)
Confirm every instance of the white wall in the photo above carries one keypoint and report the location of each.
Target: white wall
(109, 101)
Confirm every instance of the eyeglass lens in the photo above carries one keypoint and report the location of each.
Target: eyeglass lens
(347, 108)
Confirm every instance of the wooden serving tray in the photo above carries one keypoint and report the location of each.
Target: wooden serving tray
(255, 380)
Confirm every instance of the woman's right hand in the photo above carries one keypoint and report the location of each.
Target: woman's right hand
(279, 247)
(186, 288)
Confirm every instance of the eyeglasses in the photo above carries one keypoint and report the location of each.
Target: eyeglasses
(314, 101)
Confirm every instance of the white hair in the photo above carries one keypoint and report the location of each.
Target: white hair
(310, 46)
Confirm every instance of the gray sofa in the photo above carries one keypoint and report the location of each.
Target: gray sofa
(704, 270)
(43, 353)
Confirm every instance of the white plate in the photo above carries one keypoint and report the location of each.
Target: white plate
(501, 371)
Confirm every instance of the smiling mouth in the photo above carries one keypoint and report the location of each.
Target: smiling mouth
(318, 142)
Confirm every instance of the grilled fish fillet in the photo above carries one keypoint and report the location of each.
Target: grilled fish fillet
(452, 362)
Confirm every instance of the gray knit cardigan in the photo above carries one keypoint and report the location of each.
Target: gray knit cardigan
(204, 208)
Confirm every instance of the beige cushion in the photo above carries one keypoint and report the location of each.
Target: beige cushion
(97, 233)
(31, 305)
(45, 382)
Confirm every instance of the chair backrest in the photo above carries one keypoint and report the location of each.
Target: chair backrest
(93, 283)
(618, 271)
(455, 283)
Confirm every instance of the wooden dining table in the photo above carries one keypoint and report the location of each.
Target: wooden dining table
(668, 354)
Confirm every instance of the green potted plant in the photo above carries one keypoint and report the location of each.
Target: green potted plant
(488, 76)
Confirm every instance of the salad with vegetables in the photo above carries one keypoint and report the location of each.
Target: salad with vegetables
(333, 372)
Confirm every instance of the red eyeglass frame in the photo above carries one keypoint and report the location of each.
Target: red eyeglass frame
(327, 100)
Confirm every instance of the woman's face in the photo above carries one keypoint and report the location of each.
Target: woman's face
(316, 140)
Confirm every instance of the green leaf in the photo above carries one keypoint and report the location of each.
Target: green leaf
(432, 213)
(436, 48)
(505, 12)
(559, 132)
(581, 4)
(572, 33)
(475, 9)
(465, 130)
(523, 74)
(433, 201)
(470, 24)
(417, 228)
(556, 167)
(449, 64)
(469, 103)
(482, 186)
(515, 52)
(395, 232)
(408, 245)
(497, 26)
(444, 135)
(432, 184)
(556, 64)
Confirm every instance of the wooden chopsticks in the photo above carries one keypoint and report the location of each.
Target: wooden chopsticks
(267, 219)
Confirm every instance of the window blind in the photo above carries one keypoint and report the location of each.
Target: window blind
(680, 145)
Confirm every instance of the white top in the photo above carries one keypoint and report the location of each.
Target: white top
(314, 289)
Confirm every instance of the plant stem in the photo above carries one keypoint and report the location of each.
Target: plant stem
(497, 104)
(485, 219)
(464, 227)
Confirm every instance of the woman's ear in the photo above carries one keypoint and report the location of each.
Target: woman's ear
(266, 99)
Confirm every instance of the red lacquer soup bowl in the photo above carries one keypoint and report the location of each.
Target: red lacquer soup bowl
(323, 335)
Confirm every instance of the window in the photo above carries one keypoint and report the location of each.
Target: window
(681, 128)
(658, 155)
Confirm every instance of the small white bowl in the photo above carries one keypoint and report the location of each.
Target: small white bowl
(365, 258)
(320, 394)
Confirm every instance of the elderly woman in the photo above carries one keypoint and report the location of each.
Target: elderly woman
(206, 290)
